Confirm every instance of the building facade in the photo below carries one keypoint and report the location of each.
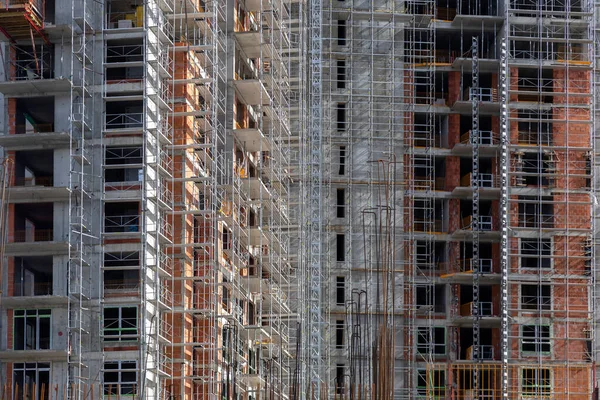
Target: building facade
(147, 237)
(285, 199)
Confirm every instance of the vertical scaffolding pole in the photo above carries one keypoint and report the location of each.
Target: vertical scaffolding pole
(475, 97)
(314, 330)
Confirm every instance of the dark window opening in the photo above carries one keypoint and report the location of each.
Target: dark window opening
(32, 329)
(536, 382)
(431, 298)
(31, 376)
(431, 340)
(342, 170)
(341, 32)
(341, 203)
(339, 333)
(340, 290)
(339, 378)
(536, 297)
(341, 117)
(120, 378)
(536, 339)
(536, 253)
(120, 324)
(341, 74)
(341, 247)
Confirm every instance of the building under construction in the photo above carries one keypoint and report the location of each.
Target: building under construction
(297, 199)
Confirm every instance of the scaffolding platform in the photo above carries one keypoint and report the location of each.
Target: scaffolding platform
(20, 18)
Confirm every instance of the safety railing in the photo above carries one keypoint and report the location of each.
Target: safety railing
(486, 352)
(483, 94)
(121, 223)
(485, 223)
(124, 120)
(484, 138)
(485, 265)
(37, 235)
(484, 309)
(37, 289)
(34, 181)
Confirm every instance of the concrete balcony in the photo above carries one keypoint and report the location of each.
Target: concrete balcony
(489, 186)
(488, 101)
(37, 140)
(487, 141)
(37, 190)
(40, 242)
(33, 355)
(253, 45)
(251, 92)
(26, 87)
(256, 189)
(253, 139)
(35, 301)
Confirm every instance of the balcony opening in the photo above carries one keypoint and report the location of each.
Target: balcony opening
(485, 306)
(546, 6)
(121, 271)
(535, 85)
(486, 222)
(447, 9)
(33, 224)
(124, 114)
(431, 298)
(32, 329)
(535, 128)
(431, 383)
(485, 258)
(124, 14)
(34, 168)
(34, 115)
(545, 50)
(33, 276)
(430, 173)
(121, 217)
(429, 215)
(536, 297)
(31, 376)
(486, 137)
(486, 348)
(535, 212)
(450, 46)
(534, 169)
(486, 92)
(487, 174)
(430, 255)
(120, 53)
(536, 253)
(32, 62)
(425, 135)
(431, 341)
(123, 167)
